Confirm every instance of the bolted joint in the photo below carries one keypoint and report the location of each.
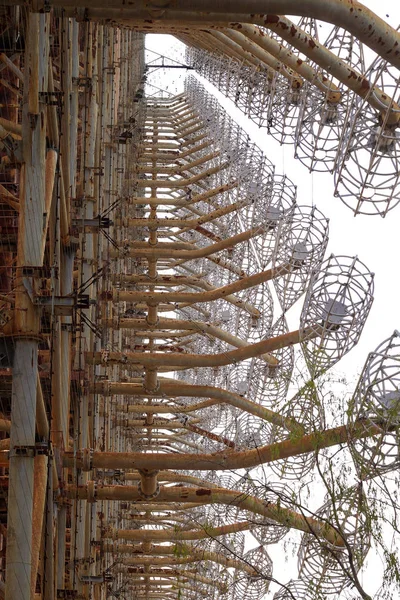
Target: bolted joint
(87, 459)
(111, 534)
(68, 595)
(23, 452)
(119, 475)
(91, 488)
(106, 296)
(148, 487)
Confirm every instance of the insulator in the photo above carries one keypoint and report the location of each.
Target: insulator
(328, 565)
(376, 404)
(336, 307)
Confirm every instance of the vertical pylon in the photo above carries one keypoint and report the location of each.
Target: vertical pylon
(156, 436)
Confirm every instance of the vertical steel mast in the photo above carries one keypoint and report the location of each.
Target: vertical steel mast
(159, 288)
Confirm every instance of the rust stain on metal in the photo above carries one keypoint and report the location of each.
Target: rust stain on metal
(365, 85)
(203, 492)
(271, 19)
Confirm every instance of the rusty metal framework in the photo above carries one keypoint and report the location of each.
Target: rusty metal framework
(155, 442)
(308, 100)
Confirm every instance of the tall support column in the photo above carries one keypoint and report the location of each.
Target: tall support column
(26, 321)
(21, 472)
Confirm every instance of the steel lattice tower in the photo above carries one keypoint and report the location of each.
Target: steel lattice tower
(155, 442)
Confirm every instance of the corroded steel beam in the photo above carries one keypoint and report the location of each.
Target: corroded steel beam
(186, 254)
(181, 223)
(208, 296)
(190, 326)
(275, 512)
(172, 388)
(224, 460)
(177, 534)
(243, 33)
(203, 360)
(184, 554)
(351, 15)
(183, 201)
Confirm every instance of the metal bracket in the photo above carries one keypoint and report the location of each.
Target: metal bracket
(51, 98)
(78, 201)
(13, 148)
(67, 594)
(82, 81)
(119, 475)
(98, 222)
(37, 272)
(43, 449)
(82, 301)
(31, 451)
(23, 451)
(64, 305)
(91, 579)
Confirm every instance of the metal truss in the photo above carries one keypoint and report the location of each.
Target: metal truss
(309, 101)
(155, 439)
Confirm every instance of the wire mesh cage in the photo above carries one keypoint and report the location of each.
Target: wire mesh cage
(335, 309)
(327, 565)
(374, 410)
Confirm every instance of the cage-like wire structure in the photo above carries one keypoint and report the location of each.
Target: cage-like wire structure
(325, 565)
(335, 310)
(255, 586)
(366, 177)
(302, 244)
(375, 407)
(322, 129)
(333, 127)
(299, 589)
(151, 262)
(306, 409)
